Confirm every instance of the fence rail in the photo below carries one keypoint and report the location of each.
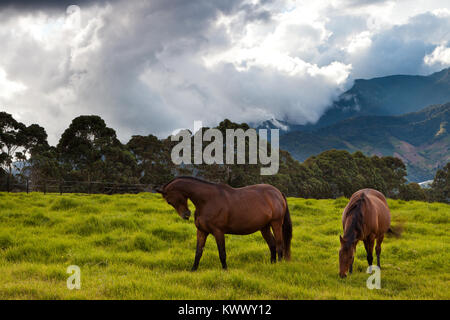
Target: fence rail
(67, 186)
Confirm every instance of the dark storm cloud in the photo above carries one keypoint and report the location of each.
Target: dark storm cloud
(255, 12)
(154, 66)
(401, 49)
(47, 4)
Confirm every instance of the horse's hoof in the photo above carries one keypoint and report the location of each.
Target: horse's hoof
(193, 269)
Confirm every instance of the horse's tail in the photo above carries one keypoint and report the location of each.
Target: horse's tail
(355, 212)
(287, 232)
(357, 205)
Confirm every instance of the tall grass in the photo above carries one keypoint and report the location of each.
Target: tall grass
(136, 247)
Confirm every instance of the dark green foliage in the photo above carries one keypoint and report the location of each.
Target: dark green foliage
(12, 139)
(90, 151)
(338, 173)
(412, 191)
(17, 144)
(440, 189)
(154, 165)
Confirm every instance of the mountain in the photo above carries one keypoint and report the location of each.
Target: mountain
(381, 116)
(421, 139)
(384, 96)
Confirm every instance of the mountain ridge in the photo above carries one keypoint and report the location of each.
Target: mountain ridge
(421, 139)
(388, 95)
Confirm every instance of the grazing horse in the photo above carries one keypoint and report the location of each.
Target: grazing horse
(366, 217)
(221, 209)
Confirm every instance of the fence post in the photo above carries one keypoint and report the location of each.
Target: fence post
(28, 187)
(60, 187)
(7, 183)
(89, 188)
(45, 187)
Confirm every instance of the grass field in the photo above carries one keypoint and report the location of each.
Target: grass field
(137, 247)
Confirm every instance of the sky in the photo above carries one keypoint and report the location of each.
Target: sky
(158, 65)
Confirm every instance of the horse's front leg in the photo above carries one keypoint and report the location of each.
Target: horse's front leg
(368, 243)
(220, 239)
(351, 265)
(201, 240)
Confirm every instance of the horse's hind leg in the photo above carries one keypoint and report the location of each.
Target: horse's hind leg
(220, 240)
(201, 240)
(278, 233)
(268, 236)
(378, 249)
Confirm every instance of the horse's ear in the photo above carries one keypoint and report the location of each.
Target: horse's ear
(341, 239)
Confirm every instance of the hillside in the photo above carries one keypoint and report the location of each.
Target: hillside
(421, 139)
(391, 95)
(384, 96)
(137, 247)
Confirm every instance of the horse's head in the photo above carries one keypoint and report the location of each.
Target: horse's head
(177, 200)
(346, 255)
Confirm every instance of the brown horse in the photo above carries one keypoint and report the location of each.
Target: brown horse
(221, 209)
(366, 217)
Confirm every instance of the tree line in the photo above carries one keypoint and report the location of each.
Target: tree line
(90, 151)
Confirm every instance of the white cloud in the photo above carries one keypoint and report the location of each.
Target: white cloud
(440, 55)
(9, 88)
(359, 42)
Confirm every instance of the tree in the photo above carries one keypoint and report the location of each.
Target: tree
(89, 150)
(35, 143)
(43, 166)
(154, 165)
(12, 138)
(411, 191)
(236, 175)
(440, 188)
(393, 171)
(18, 143)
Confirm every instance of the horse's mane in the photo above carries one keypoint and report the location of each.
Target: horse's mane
(190, 178)
(354, 213)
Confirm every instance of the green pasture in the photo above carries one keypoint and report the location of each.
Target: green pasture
(137, 247)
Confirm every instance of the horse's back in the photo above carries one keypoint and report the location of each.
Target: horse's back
(371, 193)
(377, 215)
(260, 190)
(255, 205)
